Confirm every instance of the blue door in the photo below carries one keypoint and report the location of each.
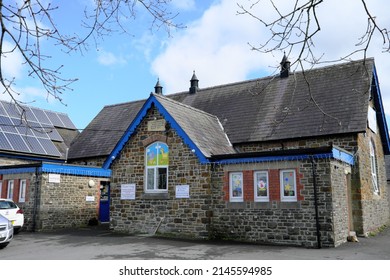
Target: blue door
(104, 208)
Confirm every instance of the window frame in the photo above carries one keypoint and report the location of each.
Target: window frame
(22, 190)
(233, 198)
(284, 197)
(1, 188)
(156, 168)
(10, 189)
(255, 186)
(374, 169)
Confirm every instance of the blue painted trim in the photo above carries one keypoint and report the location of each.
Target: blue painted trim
(152, 100)
(18, 170)
(336, 154)
(75, 170)
(382, 116)
(60, 169)
(343, 156)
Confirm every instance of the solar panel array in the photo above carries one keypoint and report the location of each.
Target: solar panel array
(31, 130)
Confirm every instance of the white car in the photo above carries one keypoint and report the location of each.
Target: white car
(12, 212)
(6, 232)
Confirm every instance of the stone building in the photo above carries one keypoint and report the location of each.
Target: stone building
(34, 146)
(296, 159)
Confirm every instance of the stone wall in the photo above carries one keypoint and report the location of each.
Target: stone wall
(57, 205)
(284, 223)
(160, 212)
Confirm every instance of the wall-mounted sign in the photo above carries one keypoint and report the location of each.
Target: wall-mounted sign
(156, 125)
(372, 119)
(90, 198)
(128, 191)
(54, 178)
(183, 191)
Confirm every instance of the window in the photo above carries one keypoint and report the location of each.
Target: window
(236, 187)
(288, 187)
(10, 191)
(374, 174)
(261, 186)
(157, 161)
(22, 191)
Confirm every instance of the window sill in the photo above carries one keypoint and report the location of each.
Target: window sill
(147, 196)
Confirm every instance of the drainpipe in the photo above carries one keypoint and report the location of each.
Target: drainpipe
(313, 168)
(36, 200)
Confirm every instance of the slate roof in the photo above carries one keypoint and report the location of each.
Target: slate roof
(324, 101)
(204, 129)
(104, 131)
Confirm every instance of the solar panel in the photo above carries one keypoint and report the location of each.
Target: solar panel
(17, 142)
(54, 135)
(11, 109)
(49, 147)
(54, 119)
(2, 110)
(7, 125)
(4, 144)
(33, 132)
(41, 116)
(30, 115)
(34, 145)
(66, 121)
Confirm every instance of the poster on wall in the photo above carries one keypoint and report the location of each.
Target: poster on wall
(128, 191)
(183, 191)
(54, 178)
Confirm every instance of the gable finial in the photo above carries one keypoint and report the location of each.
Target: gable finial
(284, 67)
(194, 86)
(158, 88)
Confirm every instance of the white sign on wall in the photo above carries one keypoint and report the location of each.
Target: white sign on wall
(372, 119)
(54, 178)
(183, 191)
(90, 198)
(128, 191)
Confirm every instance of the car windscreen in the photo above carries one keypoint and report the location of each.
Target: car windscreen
(7, 205)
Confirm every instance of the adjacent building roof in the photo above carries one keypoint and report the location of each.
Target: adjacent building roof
(325, 101)
(34, 132)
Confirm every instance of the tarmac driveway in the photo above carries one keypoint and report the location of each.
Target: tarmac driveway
(96, 243)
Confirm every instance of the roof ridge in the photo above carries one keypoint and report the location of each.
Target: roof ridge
(184, 105)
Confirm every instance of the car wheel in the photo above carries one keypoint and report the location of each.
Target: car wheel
(3, 245)
(16, 230)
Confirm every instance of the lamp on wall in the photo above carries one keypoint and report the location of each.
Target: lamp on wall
(91, 183)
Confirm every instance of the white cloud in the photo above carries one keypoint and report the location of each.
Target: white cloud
(110, 59)
(12, 61)
(215, 45)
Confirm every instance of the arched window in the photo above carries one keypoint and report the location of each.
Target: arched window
(374, 173)
(156, 167)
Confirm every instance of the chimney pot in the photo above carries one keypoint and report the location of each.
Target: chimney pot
(194, 84)
(284, 67)
(158, 88)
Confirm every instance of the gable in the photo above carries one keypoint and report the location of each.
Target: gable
(200, 131)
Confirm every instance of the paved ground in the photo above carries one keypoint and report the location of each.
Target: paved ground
(98, 243)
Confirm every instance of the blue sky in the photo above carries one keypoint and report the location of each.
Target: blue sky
(125, 67)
